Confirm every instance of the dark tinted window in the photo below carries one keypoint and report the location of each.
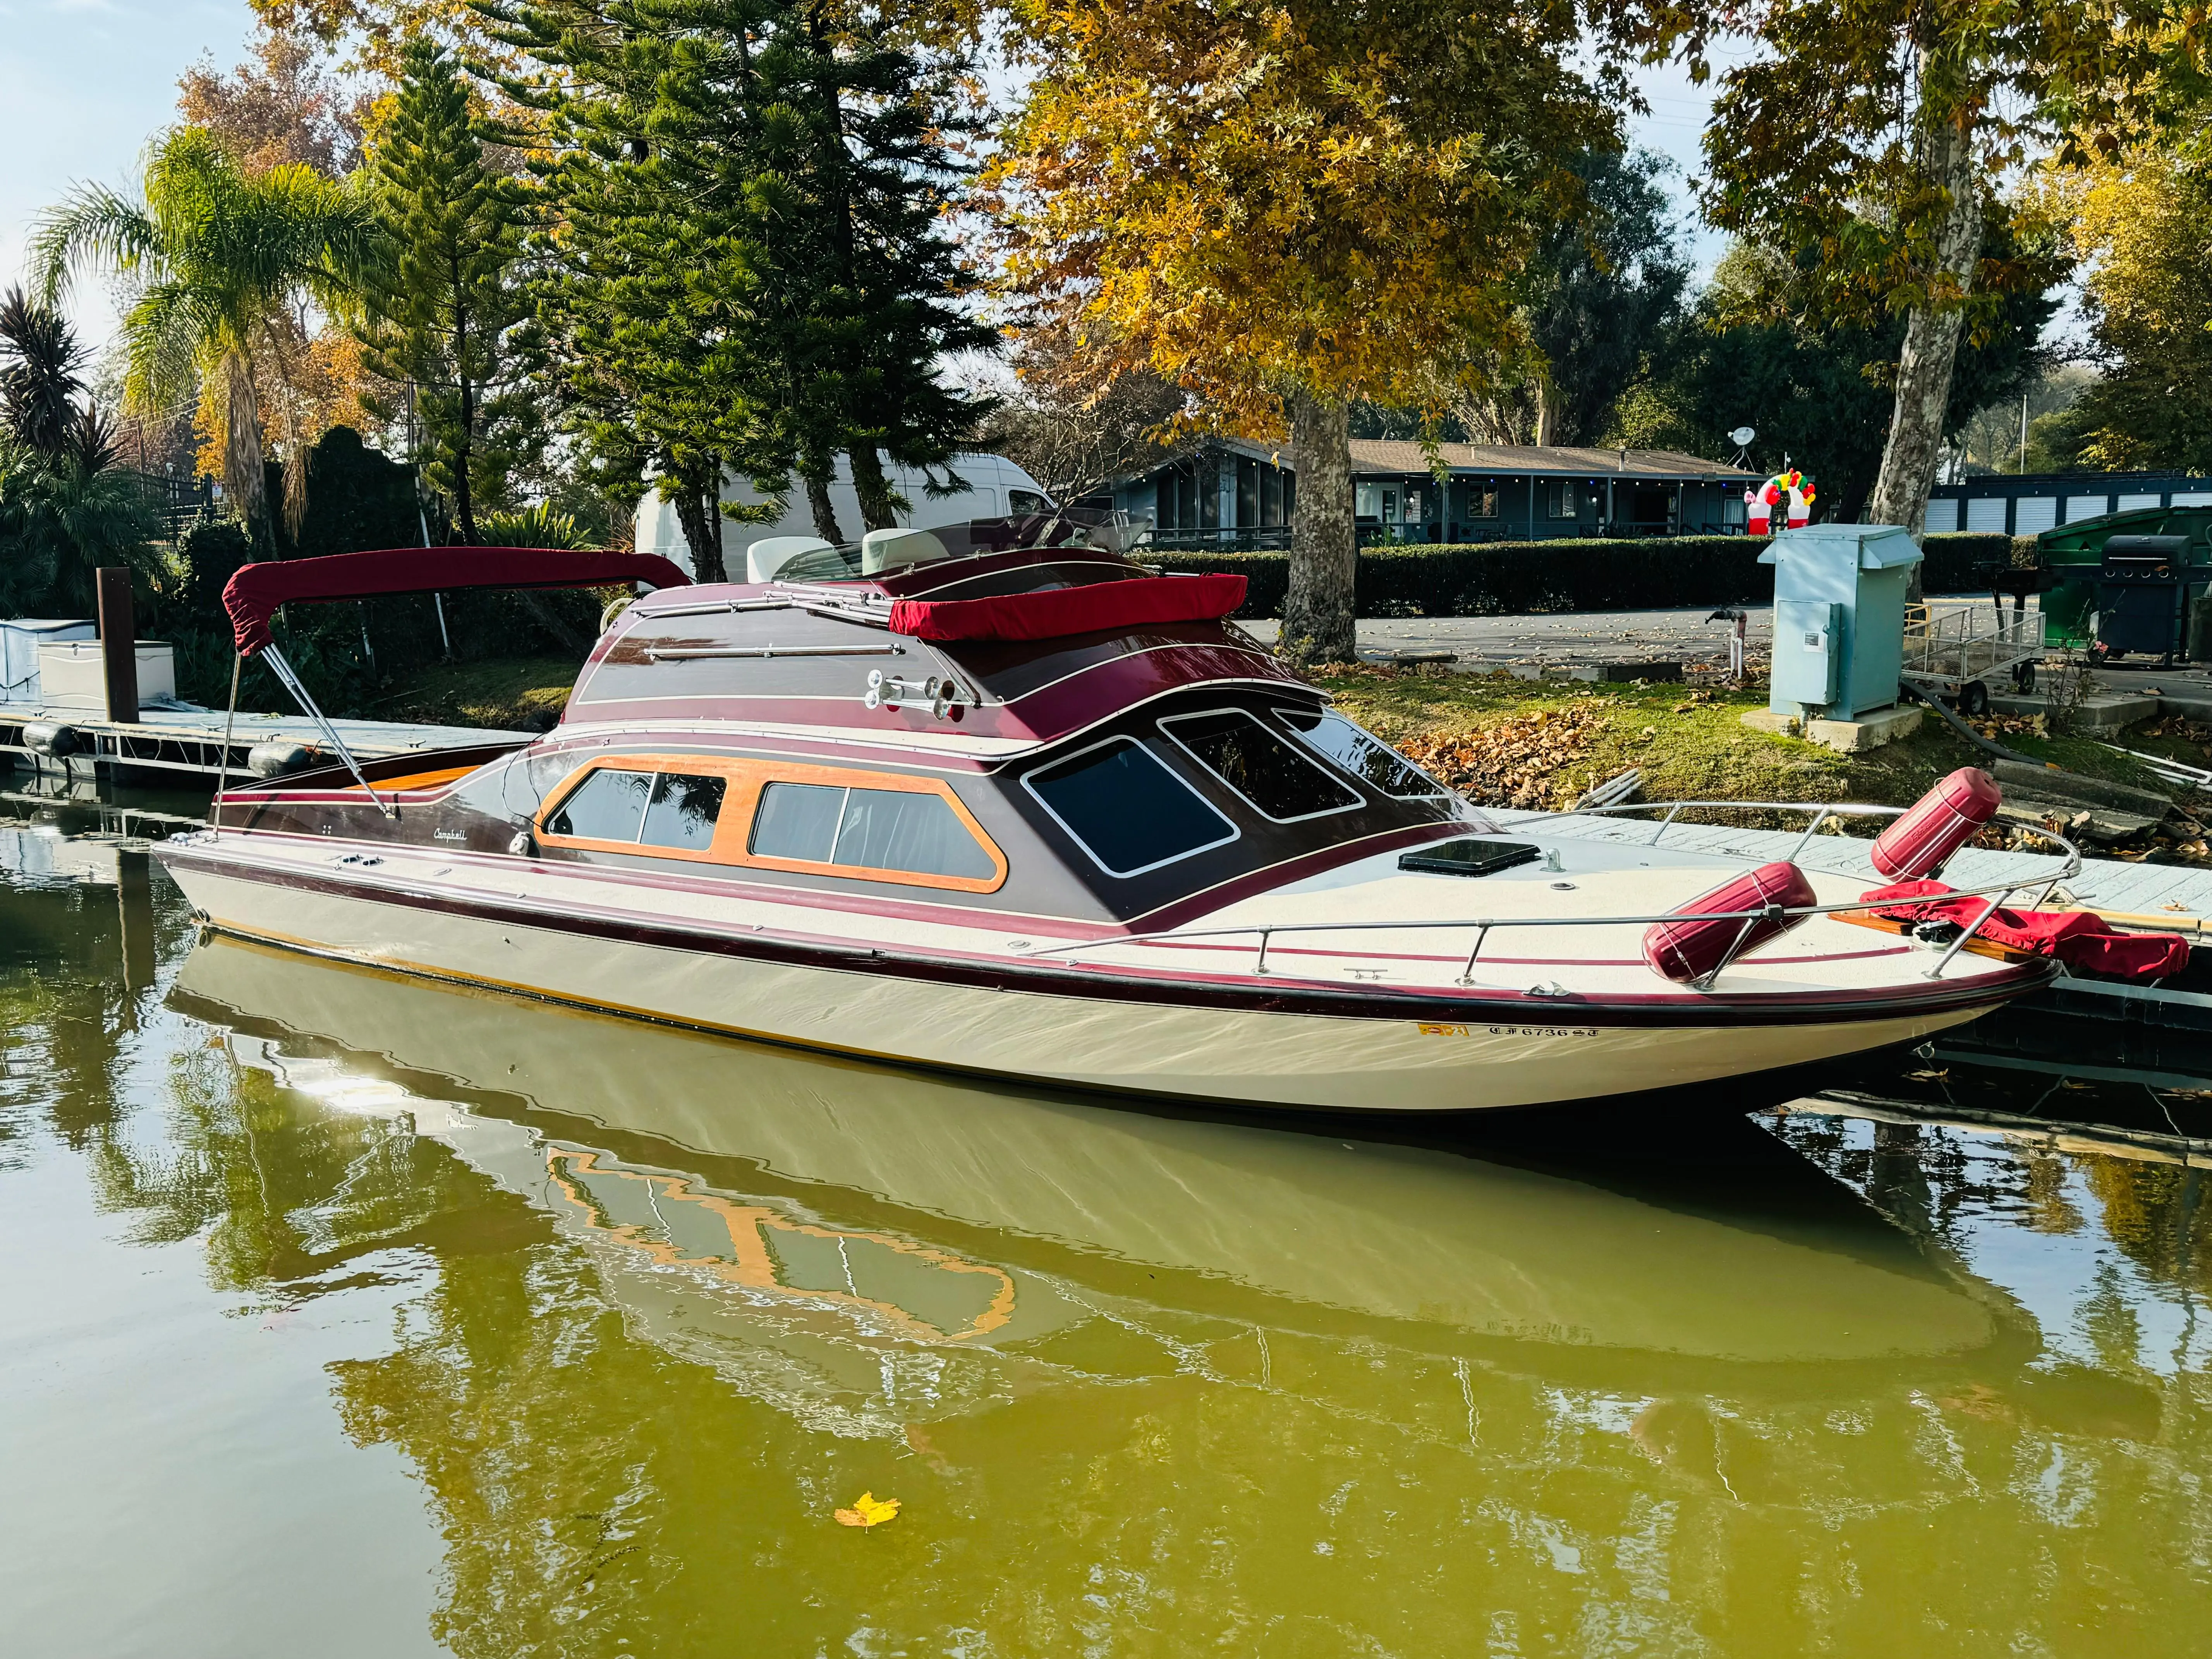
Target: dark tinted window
(683, 811)
(1360, 753)
(798, 821)
(1128, 811)
(896, 830)
(608, 805)
(1259, 766)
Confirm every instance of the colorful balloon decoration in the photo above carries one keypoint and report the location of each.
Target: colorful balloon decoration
(1763, 501)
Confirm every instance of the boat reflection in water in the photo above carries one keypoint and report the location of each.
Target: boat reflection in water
(863, 1246)
(1163, 1384)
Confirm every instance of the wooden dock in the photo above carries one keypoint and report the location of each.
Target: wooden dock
(188, 741)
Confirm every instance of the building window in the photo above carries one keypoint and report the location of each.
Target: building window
(1560, 498)
(1367, 500)
(1482, 503)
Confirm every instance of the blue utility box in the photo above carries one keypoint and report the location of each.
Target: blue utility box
(1838, 617)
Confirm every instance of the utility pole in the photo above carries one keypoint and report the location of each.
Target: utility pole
(2023, 434)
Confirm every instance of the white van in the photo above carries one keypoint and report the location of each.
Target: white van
(996, 489)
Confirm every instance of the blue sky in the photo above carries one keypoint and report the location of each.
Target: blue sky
(84, 84)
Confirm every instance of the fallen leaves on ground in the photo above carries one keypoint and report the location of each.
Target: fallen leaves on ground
(1520, 761)
(2012, 726)
(868, 1510)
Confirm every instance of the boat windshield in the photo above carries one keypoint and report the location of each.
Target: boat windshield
(1065, 527)
(1358, 753)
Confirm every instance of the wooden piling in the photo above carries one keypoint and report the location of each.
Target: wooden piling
(119, 644)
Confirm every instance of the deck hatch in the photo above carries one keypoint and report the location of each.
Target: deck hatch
(1469, 857)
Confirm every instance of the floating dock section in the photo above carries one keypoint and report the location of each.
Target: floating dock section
(186, 741)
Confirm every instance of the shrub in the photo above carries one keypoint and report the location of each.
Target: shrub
(1493, 579)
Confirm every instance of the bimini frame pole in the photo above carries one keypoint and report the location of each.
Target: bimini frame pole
(223, 755)
(282, 670)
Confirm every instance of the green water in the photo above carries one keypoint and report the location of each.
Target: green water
(346, 1316)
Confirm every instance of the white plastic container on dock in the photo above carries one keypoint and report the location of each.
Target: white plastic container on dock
(72, 675)
(21, 638)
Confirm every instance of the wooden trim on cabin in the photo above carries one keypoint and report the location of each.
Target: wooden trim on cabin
(746, 778)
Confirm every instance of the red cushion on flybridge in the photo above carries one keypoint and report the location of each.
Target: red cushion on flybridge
(1061, 611)
(255, 591)
(2079, 939)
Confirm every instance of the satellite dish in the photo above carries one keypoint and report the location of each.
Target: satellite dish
(1741, 436)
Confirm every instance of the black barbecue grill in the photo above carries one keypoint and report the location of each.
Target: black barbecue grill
(2143, 596)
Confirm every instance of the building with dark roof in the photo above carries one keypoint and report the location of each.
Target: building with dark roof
(2026, 504)
(1232, 493)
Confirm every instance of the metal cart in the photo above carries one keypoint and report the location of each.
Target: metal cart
(1956, 653)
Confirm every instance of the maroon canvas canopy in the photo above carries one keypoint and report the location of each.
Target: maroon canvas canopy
(1056, 611)
(254, 593)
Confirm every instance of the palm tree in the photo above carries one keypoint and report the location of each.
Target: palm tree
(63, 516)
(38, 383)
(227, 267)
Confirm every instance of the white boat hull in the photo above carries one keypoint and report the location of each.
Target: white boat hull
(1248, 1057)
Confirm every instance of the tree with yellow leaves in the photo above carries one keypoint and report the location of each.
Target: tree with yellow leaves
(1285, 206)
(1866, 138)
(2146, 222)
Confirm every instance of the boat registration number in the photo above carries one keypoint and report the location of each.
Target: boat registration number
(1428, 1030)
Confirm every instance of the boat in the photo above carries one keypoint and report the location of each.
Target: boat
(997, 798)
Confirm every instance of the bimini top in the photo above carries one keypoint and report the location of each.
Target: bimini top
(990, 653)
(255, 591)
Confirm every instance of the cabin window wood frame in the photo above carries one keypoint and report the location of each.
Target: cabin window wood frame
(746, 778)
(1301, 753)
(1236, 829)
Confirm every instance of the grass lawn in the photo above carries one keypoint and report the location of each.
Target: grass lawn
(504, 693)
(1541, 743)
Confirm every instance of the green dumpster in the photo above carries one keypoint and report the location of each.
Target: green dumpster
(2075, 555)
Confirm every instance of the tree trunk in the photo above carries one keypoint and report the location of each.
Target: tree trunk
(696, 511)
(1931, 349)
(465, 506)
(816, 475)
(1317, 612)
(242, 475)
(878, 504)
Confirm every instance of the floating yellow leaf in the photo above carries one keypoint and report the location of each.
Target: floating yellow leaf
(868, 1510)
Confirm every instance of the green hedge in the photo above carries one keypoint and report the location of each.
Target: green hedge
(1492, 579)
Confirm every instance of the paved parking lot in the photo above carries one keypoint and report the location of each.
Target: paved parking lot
(1485, 643)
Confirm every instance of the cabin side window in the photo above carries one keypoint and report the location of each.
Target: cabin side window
(676, 810)
(1363, 755)
(1126, 809)
(895, 829)
(1267, 772)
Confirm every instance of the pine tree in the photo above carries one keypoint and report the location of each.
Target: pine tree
(741, 201)
(443, 303)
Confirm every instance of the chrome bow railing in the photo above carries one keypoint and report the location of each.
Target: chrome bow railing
(2069, 865)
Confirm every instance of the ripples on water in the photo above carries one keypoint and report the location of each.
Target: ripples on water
(346, 1314)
